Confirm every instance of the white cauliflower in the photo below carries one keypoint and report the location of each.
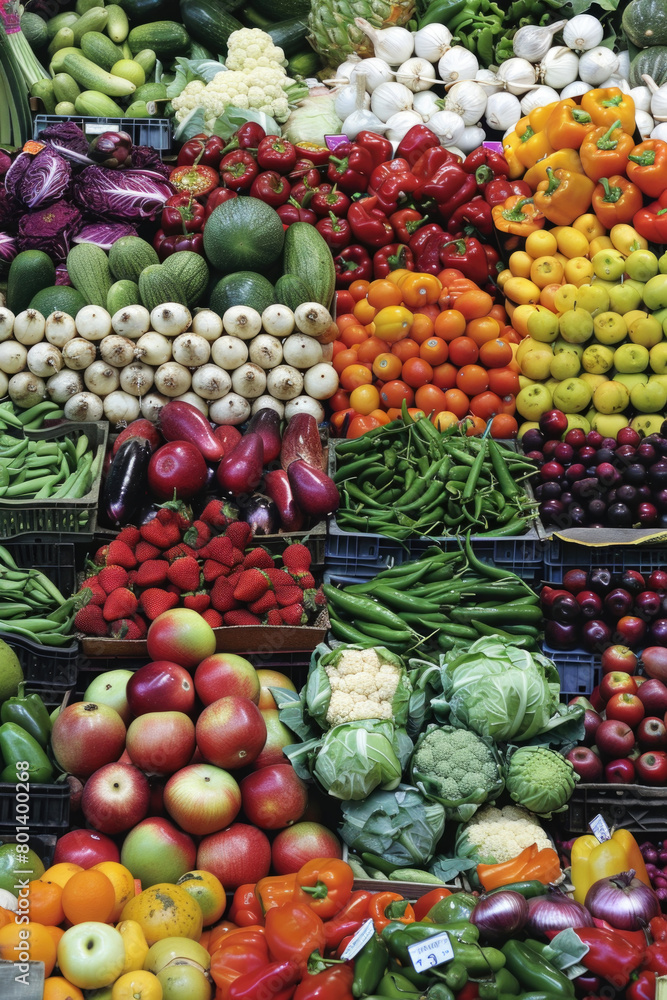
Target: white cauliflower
(504, 833)
(362, 687)
(251, 48)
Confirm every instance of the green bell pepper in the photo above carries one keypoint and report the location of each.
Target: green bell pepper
(534, 972)
(370, 965)
(456, 907)
(419, 980)
(399, 937)
(439, 991)
(528, 889)
(29, 712)
(17, 745)
(455, 976)
(507, 983)
(394, 985)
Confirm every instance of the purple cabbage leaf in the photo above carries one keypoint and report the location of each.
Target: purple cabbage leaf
(104, 234)
(147, 158)
(38, 180)
(121, 195)
(50, 229)
(8, 250)
(65, 136)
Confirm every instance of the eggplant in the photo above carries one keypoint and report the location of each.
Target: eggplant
(301, 441)
(127, 481)
(314, 491)
(262, 515)
(240, 471)
(266, 423)
(278, 487)
(181, 421)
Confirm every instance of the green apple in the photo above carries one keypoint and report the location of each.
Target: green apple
(603, 283)
(662, 263)
(593, 381)
(649, 398)
(624, 297)
(533, 401)
(91, 954)
(646, 331)
(631, 380)
(609, 424)
(661, 316)
(566, 297)
(171, 949)
(647, 423)
(611, 397)
(575, 420)
(597, 359)
(631, 358)
(110, 688)
(12, 861)
(593, 298)
(542, 325)
(179, 982)
(155, 850)
(655, 292)
(552, 384)
(572, 396)
(660, 379)
(576, 326)
(562, 345)
(608, 264)
(565, 364)
(641, 265)
(610, 328)
(536, 364)
(524, 381)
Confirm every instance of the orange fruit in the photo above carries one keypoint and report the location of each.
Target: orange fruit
(207, 890)
(44, 902)
(89, 895)
(122, 881)
(165, 910)
(61, 873)
(35, 944)
(57, 988)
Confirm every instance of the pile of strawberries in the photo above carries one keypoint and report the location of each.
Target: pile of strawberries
(203, 564)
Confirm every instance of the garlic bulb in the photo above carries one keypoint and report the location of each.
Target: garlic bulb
(644, 123)
(502, 111)
(660, 132)
(559, 67)
(642, 98)
(532, 42)
(457, 64)
(488, 79)
(538, 98)
(416, 74)
(352, 97)
(597, 64)
(575, 89)
(582, 32)
(432, 41)
(374, 72)
(623, 63)
(344, 71)
(448, 127)
(658, 98)
(468, 100)
(426, 103)
(360, 120)
(400, 123)
(471, 137)
(394, 44)
(517, 75)
(617, 81)
(389, 99)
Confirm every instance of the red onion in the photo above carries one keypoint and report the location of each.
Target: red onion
(500, 914)
(662, 857)
(623, 901)
(554, 912)
(649, 852)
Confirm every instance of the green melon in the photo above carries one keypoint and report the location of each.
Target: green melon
(243, 234)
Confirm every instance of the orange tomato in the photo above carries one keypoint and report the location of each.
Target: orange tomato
(393, 393)
(392, 323)
(369, 350)
(483, 330)
(420, 289)
(361, 425)
(504, 426)
(449, 274)
(387, 366)
(503, 381)
(473, 426)
(354, 334)
(434, 350)
(384, 293)
(416, 372)
(364, 399)
(495, 354)
(444, 419)
(508, 404)
(347, 319)
(355, 375)
(430, 399)
(463, 351)
(457, 402)
(444, 376)
(472, 379)
(405, 349)
(498, 312)
(422, 327)
(474, 303)
(344, 358)
(485, 405)
(359, 289)
(340, 400)
(364, 311)
(340, 419)
(450, 324)
(381, 416)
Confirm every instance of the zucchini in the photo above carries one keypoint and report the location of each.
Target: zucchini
(166, 38)
(94, 19)
(92, 77)
(307, 256)
(93, 104)
(146, 11)
(146, 59)
(157, 285)
(209, 23)
(64, 20)
(254, 19)
(88, 268)
(43, 89)
(66, 109)
(64, 39)
(122, 294)
(34, 28)
(65, 88)
(83, 6)
(289, 35)
(118, 26)
(304, 63)
(137, 109)
(278, 10)
(100, 49)
(150, 92)
(29, 272)
(198, 51)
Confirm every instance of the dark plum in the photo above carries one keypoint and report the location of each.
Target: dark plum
(552, 511)
(618, 602)
(577, 515)
(536, 456)
(532, 440)
(537, 491)
(565, 609)
(662, 520)
(575, 472)
(599, 580)
(611, 497)
(586, 454)
(563, 453)
(596, 635)
(646, 453)
(566, 498)
(575, 579)
(575, 437)
(658, 632)
(590, 604)
(657, 474)
(594, 438)
(660, 499)
(627, 435)
(607, 474)
(550, 491)
(597, 508)
(648, 515)
(635, 474)
(625, 452)
(552, 471)
(627, 494)
(549, 447)
(561, 636)
(619, 516)
(661, 445)
(608, 442)
(604, 455)
(644, 493)
(586, 488)
(647, 604)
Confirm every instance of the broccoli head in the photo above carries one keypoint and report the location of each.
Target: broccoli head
(457, 768)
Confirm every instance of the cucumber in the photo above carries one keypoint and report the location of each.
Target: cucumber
(122, 294)
(166, 38)
(307, 256)
(34, 28)
(100, 49)
(291, 291)
(289, 35)
(58, 297)
(129, 256)
(64, 39)
(43, 89)
(58, 61)
(157, 285)
(64, 20)
(278, 10)
(126, 50)
(145, 11)
(30, 271)
(93, 104)
(208, 23)
(94, 19)
(138, 109)
(83, 6)
(65, 88)
(146, 59)
(192, 271)
(118, 26)
(150, 92)
(303, 63)
(88, 268)
(91, 77)
(66, 109)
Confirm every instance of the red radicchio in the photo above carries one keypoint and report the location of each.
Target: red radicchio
(5, 162)
(38, 180)
(121, 195)
(104, 234)
(50, 229)
(8, 250)
(62, 275)
(147, 158)
(67, 135)
(10, 210)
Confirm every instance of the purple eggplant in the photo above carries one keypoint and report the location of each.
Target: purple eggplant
(278, 487)
(181, 421)
(301, 441)
(240, 471)
(314, 491)
(261, 514)
(266, 423)
(127, 481)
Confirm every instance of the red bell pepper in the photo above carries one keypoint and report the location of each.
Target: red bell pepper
(406, 222)
(203, 149)
(303, 194)
(658, 928)
(486, 165)
(430, 162)
(651, 222)
(318, 155)
(379, 147)
(194, 179)
(497, 191)
(217, 197)
(655, 959)
(238, 170)
(271, 188)
(165, 245)
(276, 153)
(415, 142)
(304, 171)
(332, 200)
(344, 304)
(473, 215)
(337, 232)
(182, 214)
(348, 920)
(293, 933)
(586, 985)
(609, 955)
(493, 260)
(425, 245)
(246, 909)
(351, 168)
(469, 992)
(334, 983)
(368, 223)
(352, 264)
(642, 987)
(468, 256)
(451, 186)
(247, 136)
(275, 981)
(392, 257)
(634, 937)
(393, 187)
(292, 211)
(428, 901)
(388, 169)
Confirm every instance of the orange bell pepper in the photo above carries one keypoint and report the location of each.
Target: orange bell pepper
(605, 151)
(533, 146)
(544, 867)
(518, 216)
(494, 876)
(510, 143)
(647, 167)
(606, 105)
(325, 884)
(386, 907)
(563, 196)
(567, 125)
(565, 159)
(293, 933)
(539, 117)
(274, 890)
(616, 199)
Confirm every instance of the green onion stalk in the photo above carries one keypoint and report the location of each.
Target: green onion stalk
(15, 119)
(30, 67)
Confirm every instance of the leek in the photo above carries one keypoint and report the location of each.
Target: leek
(30, 68)
(15, 119)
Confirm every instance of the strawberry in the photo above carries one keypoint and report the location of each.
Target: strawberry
(240, 618)
(180, 513)
(173, 588)
(219, 548)
(140, 623)
(258, 558)
(111, 578)
(293, 614)
(145, 551)
(120, 604)
(214, 514)
(319, 599)
(252, 584)
(178, 551)
(237, 557)
(125, 628)
(90, 620)
(199, 601)
(305, 580)
(279, 578)
(120, 554)
(101, 555)
(273, 617)
(263, 603)
(288, 595)
(155, 601)
(130, 535)
(162, 535)
(97, 595)
(213, 569)
(222, 596)
(213, 617)
(184, 573)
(152, 573)
(90, 581)
(297, 558)
(239, 534)
(234, 577)
(198, 534)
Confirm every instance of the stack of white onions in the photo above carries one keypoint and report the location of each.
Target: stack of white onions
(116, 367)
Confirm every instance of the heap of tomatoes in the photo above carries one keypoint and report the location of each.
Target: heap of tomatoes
(439, 343)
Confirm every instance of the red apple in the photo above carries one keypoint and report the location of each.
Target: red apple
(271, 679)
(616, 682)
(110, 688)
(630, 630)
(161, 686)
(231, 732)
(86, 736)
(618, 658)
(586, 763)
(653, 694)
(620, 772)
(596, 700)
(238, 855)
(177, 469)
(652, 734)
(626, 707)
(277, 737)
(225, 674)
(591, 722)
(300, 843)
(274, 797)
(654, 662)
(157, 851)
(116, 798)
(181, 636)
(652, 767)
(85, 848)
(614, 739)
(202, 798)
(161, 742)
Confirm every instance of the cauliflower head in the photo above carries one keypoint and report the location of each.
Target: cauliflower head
(457, 768)
(497, 835)
(362, 687)
(249, 49)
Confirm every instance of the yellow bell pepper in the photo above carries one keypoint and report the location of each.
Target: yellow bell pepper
(566, 159)
(510, 143)
(539, 117)
(533, 147)
(563, 196)
(593, 860)
(136, 946)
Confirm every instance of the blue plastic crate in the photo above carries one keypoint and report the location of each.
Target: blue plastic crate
(578, 670)
(561, 555)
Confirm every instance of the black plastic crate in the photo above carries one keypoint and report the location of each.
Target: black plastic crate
(638, 808)
(155, 132)
(579, 671)
(49, 670)
(51, 554)
(49, 808)
(561, 555)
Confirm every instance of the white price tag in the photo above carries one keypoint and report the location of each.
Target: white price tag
(97, 128)
(600, 828)
(430, 952)
(362, 937)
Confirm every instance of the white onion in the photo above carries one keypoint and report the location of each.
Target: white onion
(84, 406)
(242, 321)
(64, 384)
(44, 360)
(191, 350)
(278, 320)
(249, 381)
(153, 348)
(194, 400)
(268, 403)
(137, 378)
(265, 351)
(312, 319)
(59, 328)
(79, 353)
(101, 378)
(131, 321)
(321, 381)
(229, 353)
(172, 379)
(284, 382)
(152, 404)
(13, 356)
(171, 318)
(117, 350)
(29, 327)
(26, 389)
(120, 408)
(302, 351)
(93, 323)
(231, 409)
(207, 324)
(211, 382)
(6, 323)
